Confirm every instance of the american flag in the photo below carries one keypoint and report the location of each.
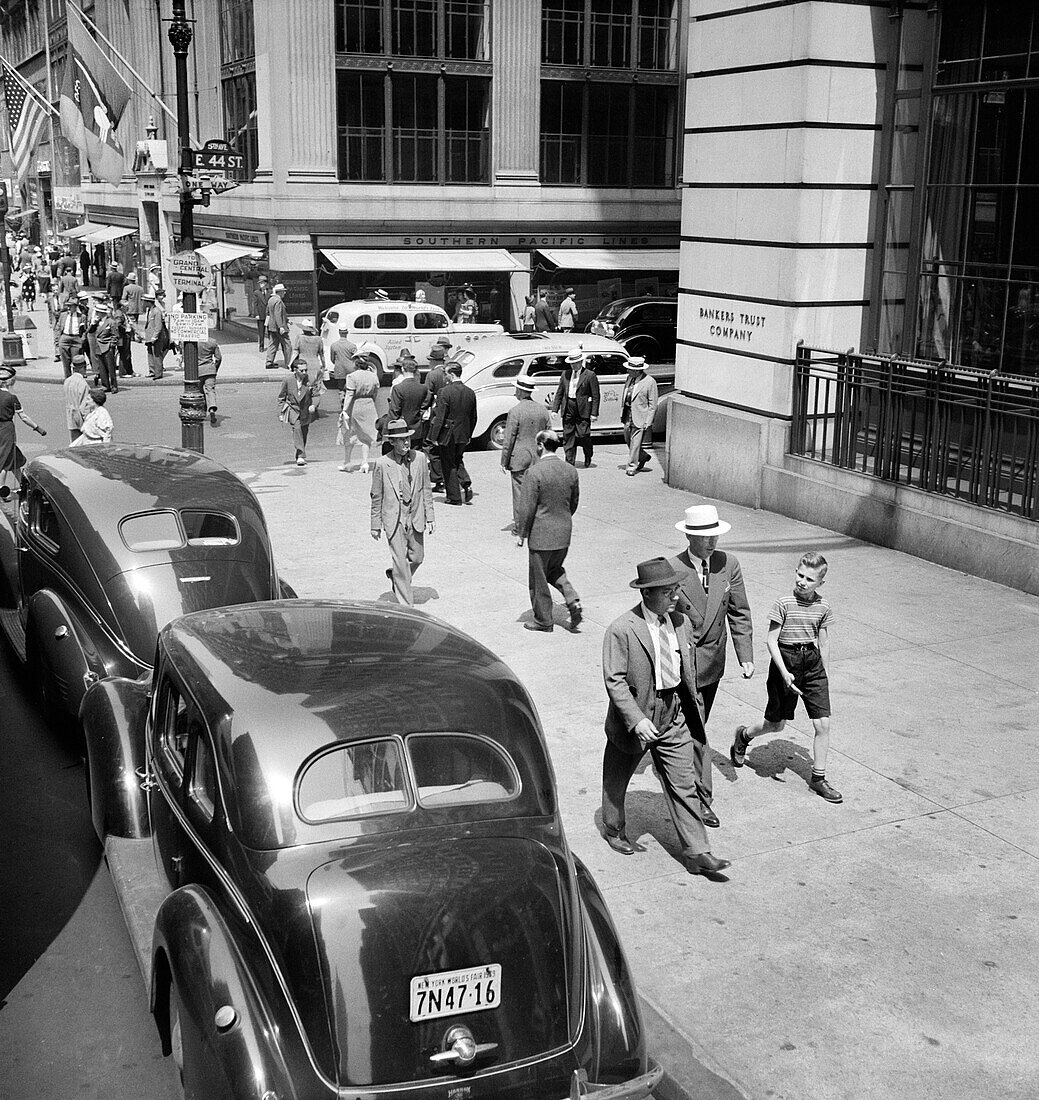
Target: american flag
(25, 117)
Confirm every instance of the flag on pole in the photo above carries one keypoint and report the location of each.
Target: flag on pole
(93, 99)
(26, 118)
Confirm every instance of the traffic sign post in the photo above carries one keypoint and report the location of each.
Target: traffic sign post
(190, 273)
(219, 158)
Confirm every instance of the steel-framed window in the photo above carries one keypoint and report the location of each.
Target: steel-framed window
(238, 79)
(614, 34)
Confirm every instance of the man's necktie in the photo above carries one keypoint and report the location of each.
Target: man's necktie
(668, 657)
(705, 574)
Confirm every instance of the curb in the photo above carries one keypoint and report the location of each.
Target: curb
(687, 1074)
(169, 379)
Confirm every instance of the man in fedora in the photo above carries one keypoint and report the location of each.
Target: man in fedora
(577, 402)
(567, 315)
(451, 429)
(70, 331)
(402, 506)
(649, 666)
(712, 595)
(545, 519)
(520, 449)
(638, 408)
(407, 398)
(277, 326)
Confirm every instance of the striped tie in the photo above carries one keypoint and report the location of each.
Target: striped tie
(668, 657)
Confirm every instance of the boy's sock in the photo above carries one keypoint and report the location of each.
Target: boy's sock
(816, 774)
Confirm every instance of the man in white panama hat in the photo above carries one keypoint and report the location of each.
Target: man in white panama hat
(577, 402)
(638, 409)
(277, 326)
(712, 595)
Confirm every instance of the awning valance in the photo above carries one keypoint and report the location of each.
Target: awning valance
(102, 234)
(222, 253)
(78, 231)
(613, 259)
(422, 259)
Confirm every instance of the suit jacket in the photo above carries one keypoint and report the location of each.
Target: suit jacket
(277, 317)
(454, 419)
(387, 506)
(260, 299)
(526, 418)
(639, 402)
(407, 399)
(707, 612)
(110, 330)
(342, 354)
(544, 316)
(627, 669)
(548, 500)
(295, 401)
(59, 324)
(155, 325)
(587, 394)
(131, 300)
(436, 380)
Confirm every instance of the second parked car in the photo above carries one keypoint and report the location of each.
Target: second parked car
(645, 326)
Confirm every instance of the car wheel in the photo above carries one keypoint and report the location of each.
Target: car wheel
(495, 436)
(176, 1036)
(41, 688)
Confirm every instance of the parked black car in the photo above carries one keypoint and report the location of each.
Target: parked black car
(645, 326)
(335, 832)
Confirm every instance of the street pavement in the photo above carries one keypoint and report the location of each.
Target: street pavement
(884, 947)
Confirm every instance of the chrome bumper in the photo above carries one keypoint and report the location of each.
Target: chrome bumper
(635, 1089)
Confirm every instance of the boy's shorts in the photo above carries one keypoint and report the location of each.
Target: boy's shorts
(806, 664)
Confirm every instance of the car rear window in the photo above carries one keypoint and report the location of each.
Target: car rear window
(392, 321)
(509, 369)
(168, 530)
(612, 311)
(363, 321)
(430, 320)
(369, 778)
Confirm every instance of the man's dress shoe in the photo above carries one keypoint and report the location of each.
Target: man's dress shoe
(710, 818)
(621, 844)
(705, 864)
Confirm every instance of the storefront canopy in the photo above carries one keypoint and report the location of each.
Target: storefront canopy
(220, 252)
(422, 259)
(102, 234)
(78, 231)
(613, 259)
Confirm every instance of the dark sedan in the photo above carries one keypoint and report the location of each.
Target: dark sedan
(345, 869)
(110, 542)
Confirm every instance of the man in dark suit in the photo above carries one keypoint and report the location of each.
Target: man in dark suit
(277, 326)
(712, 594)
(649, 667)
(547, 504)
(577, 401)
(294, 405)
(436, 380)
(451, 429)
(261, 296)
(520, 449)
(407, 399)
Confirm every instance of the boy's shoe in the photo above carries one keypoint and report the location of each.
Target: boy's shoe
(576, 614)
(738, 749)
(824, 790)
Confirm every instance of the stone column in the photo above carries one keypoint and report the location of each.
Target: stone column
(516, 91)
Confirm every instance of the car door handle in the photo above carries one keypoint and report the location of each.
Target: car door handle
(147, 781)
(61, 632)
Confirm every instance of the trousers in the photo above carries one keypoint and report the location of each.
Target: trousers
(678, 760)
(544, 568)
(638, 439)
(452, 464)
(407, 551)
(109, 377)
(278, 340)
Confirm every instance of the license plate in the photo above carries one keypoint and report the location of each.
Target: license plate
(453, 992)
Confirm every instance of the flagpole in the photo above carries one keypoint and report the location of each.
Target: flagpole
(133, 72)
(44, 220)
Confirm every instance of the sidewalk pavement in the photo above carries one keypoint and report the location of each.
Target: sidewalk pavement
(885, 947)
(242, 360)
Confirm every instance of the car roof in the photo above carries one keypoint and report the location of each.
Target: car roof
(365, 305)
(493, 348)
(654, 299)
(95, 487)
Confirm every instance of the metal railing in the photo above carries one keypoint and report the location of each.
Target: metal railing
(947, 430)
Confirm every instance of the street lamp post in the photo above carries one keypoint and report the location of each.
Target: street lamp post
(5, 257)
(192, 401)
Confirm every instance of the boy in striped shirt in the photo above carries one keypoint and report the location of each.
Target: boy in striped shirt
(799, 644)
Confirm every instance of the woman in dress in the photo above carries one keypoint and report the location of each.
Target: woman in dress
(11, 458)
(528, 314)
(357, 420)
(311, 353)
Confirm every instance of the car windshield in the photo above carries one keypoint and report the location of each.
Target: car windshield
(612, 311)
(367, 778)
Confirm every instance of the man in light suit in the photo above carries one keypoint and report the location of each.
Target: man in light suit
(520, 448)
(577, 402)
(402, 506)
(648, 664)
(638, 408)
(277, 326)
(294, 404)
(451, 429)
(551, 492)
(712, 594)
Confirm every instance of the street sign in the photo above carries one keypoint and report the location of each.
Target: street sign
(187, 326)
(190, 272)
(218, 158)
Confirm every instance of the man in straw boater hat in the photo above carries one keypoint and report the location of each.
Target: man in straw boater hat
(577, 402)
(713, 596)
(402, 506)
(277, 328)
(519, 444)
(638, 408)
(649, 667)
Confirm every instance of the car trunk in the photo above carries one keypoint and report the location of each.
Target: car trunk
(486, 914)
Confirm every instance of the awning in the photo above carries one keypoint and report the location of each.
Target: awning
(422, 259)
(222, 253)
(105, 233)
(613, 259)
(78, 231)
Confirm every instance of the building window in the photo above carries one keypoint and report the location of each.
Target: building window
(979, 252)
(604, 134)
(614, 34)
(427, 121)
(238, 79)
(616, 128)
